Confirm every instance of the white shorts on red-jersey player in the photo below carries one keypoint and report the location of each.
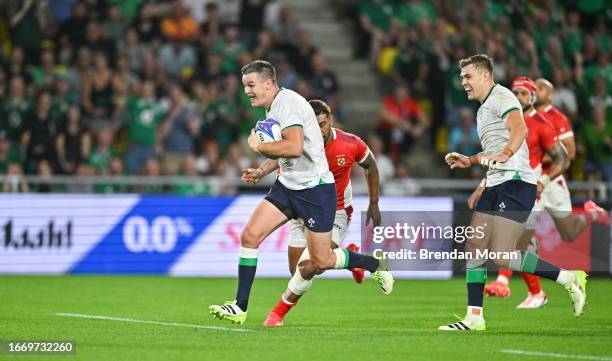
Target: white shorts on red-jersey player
(342, 221)
(555, 199)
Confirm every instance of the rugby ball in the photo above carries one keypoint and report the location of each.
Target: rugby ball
(268, 130)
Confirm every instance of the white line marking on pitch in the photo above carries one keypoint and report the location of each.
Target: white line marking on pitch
(557, 355)
(151, 322)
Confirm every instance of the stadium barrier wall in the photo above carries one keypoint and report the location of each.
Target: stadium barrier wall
(162, 235)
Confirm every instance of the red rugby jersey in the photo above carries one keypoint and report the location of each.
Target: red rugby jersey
(344, 150)
(541, 135)
(559, 121)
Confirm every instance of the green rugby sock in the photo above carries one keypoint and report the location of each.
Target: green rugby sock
(475, 281)
(529, 262)
(247, 267)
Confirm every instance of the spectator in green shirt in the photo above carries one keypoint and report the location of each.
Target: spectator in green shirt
(220, 119)
(375, 20)
(26, 26)
(230, 47)
(102, 153)
(63, 99)
(144, 115)
(601, 69)
(410, 13)
(600, 96)
(194, 186)
(44, 75)
(114, 169)
(573, 35)
(150, 169)
(596, 138)
(129, 8)
(8, 153)
(14, 109)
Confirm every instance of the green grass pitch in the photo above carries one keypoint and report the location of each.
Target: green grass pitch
(337, 320)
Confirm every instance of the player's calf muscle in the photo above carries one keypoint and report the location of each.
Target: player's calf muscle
(569, 227)
(323, 261)
(318, 261)
(319, 248)
(294, 254)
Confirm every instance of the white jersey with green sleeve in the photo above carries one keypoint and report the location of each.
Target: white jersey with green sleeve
(494, 135)
(291, 110)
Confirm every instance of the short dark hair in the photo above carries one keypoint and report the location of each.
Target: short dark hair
(260, 67)
(319, 107)
(481, 61)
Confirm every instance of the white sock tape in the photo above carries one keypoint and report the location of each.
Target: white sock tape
(340, 258)
(297, 284)
(248, 252)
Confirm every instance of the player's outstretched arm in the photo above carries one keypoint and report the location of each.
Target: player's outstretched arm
(570, 147)
(560, 162)
(371, 174)
(252, 176)
(458, 160)
(291, 146)
(475, 196)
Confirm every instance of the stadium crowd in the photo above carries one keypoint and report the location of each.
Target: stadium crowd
(104, 87)
(417, 44)
(152, 87)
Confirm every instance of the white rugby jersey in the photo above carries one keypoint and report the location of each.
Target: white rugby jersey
(494, 135)
(291, 109)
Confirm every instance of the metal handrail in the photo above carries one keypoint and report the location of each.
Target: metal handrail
(602, 189)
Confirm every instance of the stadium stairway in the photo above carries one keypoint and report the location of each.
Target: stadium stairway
(359, 85)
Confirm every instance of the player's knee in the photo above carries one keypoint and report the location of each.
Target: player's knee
(306, 269)
(250, 238)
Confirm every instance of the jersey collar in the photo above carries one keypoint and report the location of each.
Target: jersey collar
(275, 95)
(548, 108)
(490, 91)
(333, 137)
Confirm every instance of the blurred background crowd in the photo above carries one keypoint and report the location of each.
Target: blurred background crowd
(152, 87)
(416, 45)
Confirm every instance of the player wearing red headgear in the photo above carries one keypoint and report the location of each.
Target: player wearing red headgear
(558, 191)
